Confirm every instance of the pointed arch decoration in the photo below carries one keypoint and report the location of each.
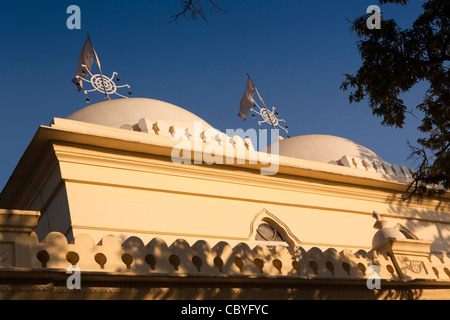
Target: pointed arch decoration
(268, 217)
(406, 232)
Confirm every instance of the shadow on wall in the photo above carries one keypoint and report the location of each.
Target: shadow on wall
(427, 217)
(133, 270)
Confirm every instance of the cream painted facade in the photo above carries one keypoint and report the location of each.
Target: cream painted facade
(106, 175)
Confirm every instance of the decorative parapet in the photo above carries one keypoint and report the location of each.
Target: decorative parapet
(410, 257)
(376, 166)
(15, 242)
(161, 128)
(180, 259)
(412, 260)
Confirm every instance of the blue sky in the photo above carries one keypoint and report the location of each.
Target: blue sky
(296, 52)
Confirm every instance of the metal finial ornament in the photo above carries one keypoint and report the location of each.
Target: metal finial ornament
(103, 84)
(247, 104)
(269, 117)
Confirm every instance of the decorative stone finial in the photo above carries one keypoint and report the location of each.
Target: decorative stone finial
(380, 223)
(384, 232)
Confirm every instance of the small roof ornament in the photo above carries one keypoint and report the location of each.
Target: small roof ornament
(380, 223)
(384, 232)
(268, 116)
(98, 81)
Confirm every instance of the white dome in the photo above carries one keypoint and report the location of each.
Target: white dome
(323, 148)
(119, 112)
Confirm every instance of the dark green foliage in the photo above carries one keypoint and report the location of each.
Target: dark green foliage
(394, 61)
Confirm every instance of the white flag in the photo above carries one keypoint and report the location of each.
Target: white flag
(86, 59)
(247, 101)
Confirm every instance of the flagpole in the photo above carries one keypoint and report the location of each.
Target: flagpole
(100, 69)
(267, 111)
(101, 75)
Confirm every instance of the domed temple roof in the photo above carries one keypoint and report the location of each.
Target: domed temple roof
(165, 119)
(324, 148)
(120, 113)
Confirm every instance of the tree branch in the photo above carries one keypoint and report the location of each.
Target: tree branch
(194, 8)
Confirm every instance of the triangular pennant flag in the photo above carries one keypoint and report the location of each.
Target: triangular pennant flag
(86, 59)
(247, 101)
